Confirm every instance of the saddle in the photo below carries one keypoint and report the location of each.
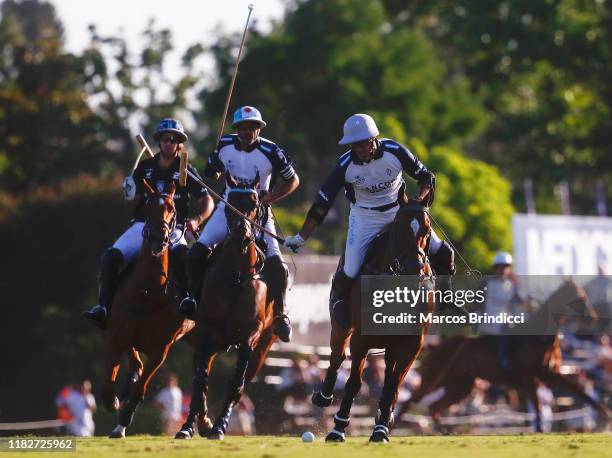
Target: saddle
(380, 240)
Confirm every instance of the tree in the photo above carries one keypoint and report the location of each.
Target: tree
(543, 71)
(329, 59)
(129, 88)
(46, 129)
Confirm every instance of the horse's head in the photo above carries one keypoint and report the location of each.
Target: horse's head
(409, 237)
(245, 197)
(570, 296)
(160, 219)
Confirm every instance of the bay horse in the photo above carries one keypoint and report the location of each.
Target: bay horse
(458, 361)
(143, 315)
(235, 311)
(399, 250)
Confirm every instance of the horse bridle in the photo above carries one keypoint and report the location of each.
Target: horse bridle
(261, 256)
(167, 228)
(396, 265)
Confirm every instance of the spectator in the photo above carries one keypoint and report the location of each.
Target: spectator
(76, 405)
(169, 401)
(599, 291)
(293, 380)
(312, 372)
(546, 399)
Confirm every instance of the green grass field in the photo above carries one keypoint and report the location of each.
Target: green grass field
(527, 446)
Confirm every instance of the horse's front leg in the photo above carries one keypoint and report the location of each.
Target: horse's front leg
(531, 390)
(111, 369)
(397, 364)
(126, 414)
(353, 385)
(338, 341)
(235, 391)
(136, 368)
(198, 408)
(258, 356)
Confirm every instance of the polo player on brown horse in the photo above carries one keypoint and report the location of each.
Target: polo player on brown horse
(144, 317)
(154, 240)
(236, 309)
(371, 174)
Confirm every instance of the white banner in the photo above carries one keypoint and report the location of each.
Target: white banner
(562, 245)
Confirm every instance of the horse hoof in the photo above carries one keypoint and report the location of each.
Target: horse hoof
(321, 400)
(204, 426)
(380, 434)
(379, 437)
(185, 433)
(335, 436)
(117, 433)
(216, 435)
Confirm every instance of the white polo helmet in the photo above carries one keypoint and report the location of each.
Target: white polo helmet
(357, 128)
(246, 113)
(502, 258)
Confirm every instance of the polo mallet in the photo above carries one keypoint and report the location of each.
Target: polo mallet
(144, 149)
(231, 88)
(183, 168)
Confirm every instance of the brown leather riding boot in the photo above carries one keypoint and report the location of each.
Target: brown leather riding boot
(276, 275)
(197, 262)
(339, 307)
(110, 268)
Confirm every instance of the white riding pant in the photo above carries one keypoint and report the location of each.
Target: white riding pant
(363, 226)
(216, 231)
(130, 242)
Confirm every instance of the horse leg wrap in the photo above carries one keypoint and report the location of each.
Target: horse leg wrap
(223, 421)
(341, 423)
(126, 414)
(127, 389)
(198, 400)
(385, 419)
(380, 434)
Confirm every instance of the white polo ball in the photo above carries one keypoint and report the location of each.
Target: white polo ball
(308, 437)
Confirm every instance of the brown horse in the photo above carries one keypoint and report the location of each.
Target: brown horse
(400, 250)
(235, 311)
(455, 364)
(143, 316)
